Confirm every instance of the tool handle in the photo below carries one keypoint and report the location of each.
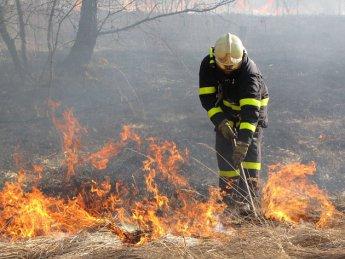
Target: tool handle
(242, 173)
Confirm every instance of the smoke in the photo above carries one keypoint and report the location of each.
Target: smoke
(294, 7)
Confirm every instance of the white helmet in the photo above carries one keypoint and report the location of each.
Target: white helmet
(228, 52)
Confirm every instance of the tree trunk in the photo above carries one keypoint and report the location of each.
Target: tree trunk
(82, 50)
(22, 34)
(10, 44)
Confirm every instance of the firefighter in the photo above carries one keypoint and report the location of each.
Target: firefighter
(232, 91)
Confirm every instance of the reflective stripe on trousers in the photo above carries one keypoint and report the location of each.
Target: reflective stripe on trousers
(224, 150)
(251, 164)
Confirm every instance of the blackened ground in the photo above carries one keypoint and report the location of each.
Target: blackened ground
(154, 86)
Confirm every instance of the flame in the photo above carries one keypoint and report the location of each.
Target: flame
(70, 132)
(38, 171)
(26, 212)
(151, 6)
(267, 8)
(164, 203)
(188, 216)
(167, 158)
(291, 197)
(29, 214)
(102, 189)
(100, 159)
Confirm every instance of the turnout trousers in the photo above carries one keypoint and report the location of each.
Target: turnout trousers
(230, 180)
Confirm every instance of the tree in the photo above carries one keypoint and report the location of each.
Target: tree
(21, 20)
(22, 33)
(9, 41)
(85, 41)
(90, 28)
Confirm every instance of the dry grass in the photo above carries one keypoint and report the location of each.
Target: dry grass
(243, 239)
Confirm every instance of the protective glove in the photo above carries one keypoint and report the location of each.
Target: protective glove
(239, 153)
(225, 127)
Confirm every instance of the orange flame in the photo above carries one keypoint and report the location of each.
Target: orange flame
(70, 132)
(155, 211)
(290, 196)
(25, 215)
(188, 216)
(38, 171)
(100, 159)
(267, 8)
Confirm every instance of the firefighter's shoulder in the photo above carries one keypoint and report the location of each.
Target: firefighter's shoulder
(205, 64)
(250, 68)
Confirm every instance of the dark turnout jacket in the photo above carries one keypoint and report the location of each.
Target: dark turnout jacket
(240, 97)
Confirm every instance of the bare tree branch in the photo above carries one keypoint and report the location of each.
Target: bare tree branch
(149, 18)
(109, 14)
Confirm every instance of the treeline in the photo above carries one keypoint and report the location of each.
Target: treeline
(28, 27)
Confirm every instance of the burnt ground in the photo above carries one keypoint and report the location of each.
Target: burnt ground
(156, 88)
(149, 79)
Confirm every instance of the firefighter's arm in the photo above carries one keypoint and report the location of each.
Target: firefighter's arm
(250, 104)
(264, 105)
(208, 94)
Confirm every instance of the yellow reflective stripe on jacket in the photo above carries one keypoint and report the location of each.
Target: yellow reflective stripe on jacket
(248, 126)
(231, 105)
(207, 90)
(250, 101)
(214, 111)
(251, 165)
(229, 173)
(264, 102)
(211, 56)
(211, 52)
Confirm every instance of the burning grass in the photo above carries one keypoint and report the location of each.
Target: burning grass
(27, 212)
(101, 218)
(247, 240)
(290, 196)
